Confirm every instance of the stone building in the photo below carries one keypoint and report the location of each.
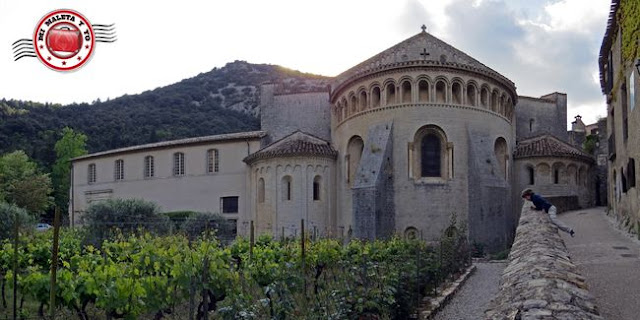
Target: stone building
(201, 174)
(557, 170)
(398, 144)
(619, 83)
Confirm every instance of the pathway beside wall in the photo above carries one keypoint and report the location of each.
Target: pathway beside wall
(474, 296)
(609, 261)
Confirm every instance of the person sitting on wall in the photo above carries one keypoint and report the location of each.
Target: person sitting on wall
(540, 203)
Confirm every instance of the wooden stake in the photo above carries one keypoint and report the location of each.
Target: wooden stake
(54, 263)
(205, 294)
(302, 255)
(16, 226)
(252, 240)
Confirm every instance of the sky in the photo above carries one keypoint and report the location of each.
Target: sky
(542, 45)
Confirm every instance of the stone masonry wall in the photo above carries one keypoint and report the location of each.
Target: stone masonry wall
(284, 114)
(373, 207)
(540, 281)
(535, 116)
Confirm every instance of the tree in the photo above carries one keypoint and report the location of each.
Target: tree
(8, 215)
(22, 185)
(123, 215)
(195, 225)
(589, 144)
(71, 145)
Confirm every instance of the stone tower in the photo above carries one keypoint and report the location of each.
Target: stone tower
(423, 132)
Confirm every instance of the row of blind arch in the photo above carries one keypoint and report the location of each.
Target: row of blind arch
(287, 189)
(557, 173)
(446, 92)
(430, 157)
(178, 169)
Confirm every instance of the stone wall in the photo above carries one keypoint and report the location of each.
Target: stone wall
(540, 281)
(196, 189)
(373, 207)
(575, 180)
(601, 154)
(490, 219)
(565, 203)
(547, 114)
(283, 114)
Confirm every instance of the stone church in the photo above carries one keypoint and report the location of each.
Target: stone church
(398, 144)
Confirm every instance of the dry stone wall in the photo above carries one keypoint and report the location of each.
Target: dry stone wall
(540, 281)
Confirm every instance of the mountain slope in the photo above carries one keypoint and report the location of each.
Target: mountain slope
(222, 100)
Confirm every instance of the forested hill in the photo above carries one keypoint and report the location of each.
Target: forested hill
(222, 100)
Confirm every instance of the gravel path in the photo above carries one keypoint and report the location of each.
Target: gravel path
(608, 259)
(473, 298)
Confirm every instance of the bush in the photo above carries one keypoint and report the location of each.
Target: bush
(477, 250)
(124, 215)
(179, 217)
(200, 222)
(8, 214)
(502, 255)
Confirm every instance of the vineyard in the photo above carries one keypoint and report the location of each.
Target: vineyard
(145, 276)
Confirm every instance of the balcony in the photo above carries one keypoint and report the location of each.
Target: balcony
(612, 147)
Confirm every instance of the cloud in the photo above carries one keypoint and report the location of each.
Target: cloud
(412, 16)
(542, 49)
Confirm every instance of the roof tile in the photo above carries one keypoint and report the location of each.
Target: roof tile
(549, 146)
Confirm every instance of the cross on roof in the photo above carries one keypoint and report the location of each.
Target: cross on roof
(424, 28)
(424, 53)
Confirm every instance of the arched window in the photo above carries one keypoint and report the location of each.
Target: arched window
(91, 173)
(406, 92)
(494, 101)
(484, 97)
(411, 233)
(119, 170)
(149, 169)
(345, 108)
(631, 173)
(260, 190)
(352, 158)
(531, 125)
(559, 173)
(456, 93)
(178, 164)
(572, 175)
(502, 156)
(616, 187)
(431, 156)
(532, 176)
(363, 100)
(316, 188)
(582, 178)
(213, 161)
(431, 151)
(391, 94)
(286, 188)
(354, 105)
(423, 91)
(375, 97)
(471, 95)
(441, 92)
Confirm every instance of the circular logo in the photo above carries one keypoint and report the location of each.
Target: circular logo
(64, 40)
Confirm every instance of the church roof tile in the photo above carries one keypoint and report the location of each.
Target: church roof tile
(296, 144)
(179, 142)
(548, 146)
(420, 49)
